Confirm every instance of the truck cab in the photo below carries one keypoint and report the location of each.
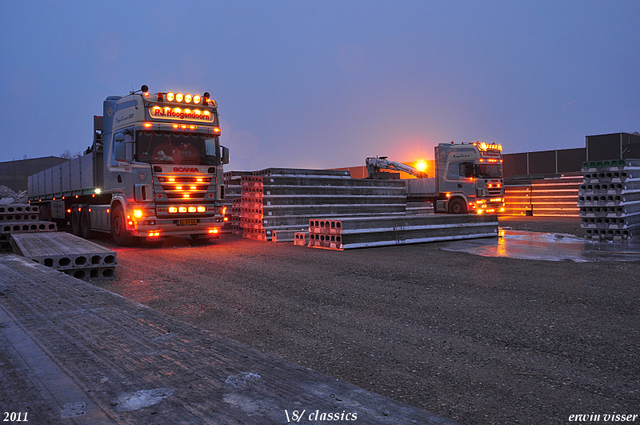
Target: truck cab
(469, 178)
(154, 170)
(163, 166)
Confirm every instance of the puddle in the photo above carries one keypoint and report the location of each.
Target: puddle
(548, 247)
(139, 400)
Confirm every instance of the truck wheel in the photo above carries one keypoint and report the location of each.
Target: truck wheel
(457, 206)
(75, 221)
(118, 228)
(85, 224)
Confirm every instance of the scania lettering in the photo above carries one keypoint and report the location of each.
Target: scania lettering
(468, 178)
(154, 170)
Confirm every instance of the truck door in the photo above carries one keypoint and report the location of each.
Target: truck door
(458, 177)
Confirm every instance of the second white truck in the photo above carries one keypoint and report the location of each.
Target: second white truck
(467, 179)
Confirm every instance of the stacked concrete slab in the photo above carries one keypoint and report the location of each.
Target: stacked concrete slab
(281, 201)
(420, 208)
(609, 199)
(517, 199)
(20, 218)
(555, 197)
(67, 253)
(232, 197)
(363, 232)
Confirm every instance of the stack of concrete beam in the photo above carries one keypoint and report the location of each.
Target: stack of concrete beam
(67, 253)
(364, 232)
(236, 214)
(301, 238)
(517, 200)
(556, 197)
(420, 208)
(20, 218)
(609, 199)
(283, 200)
(232, 196)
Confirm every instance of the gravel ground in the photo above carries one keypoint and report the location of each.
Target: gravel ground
(474, 339)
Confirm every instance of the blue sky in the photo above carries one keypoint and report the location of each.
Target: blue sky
(323, 84)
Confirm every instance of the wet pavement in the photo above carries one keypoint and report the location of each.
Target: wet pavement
(548, 247)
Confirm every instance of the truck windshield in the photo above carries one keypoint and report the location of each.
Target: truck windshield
(487, 170)
(177, 148)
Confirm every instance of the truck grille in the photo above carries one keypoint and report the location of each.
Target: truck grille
(187, 188)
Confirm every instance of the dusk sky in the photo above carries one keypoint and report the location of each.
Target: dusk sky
(324, 84)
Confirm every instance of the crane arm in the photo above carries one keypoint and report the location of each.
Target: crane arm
(374, 165)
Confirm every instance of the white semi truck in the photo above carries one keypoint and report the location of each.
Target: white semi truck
(154, 170)
(468, 178)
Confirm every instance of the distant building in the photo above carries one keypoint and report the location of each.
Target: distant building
(541, 164)
(14, 174)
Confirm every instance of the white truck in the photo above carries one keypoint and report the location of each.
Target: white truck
(154, 170)
(468, 178)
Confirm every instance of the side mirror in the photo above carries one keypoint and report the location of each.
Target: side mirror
(225, 155)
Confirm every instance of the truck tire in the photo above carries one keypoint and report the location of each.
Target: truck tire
(75, 221)
(457, 206)
(119, 228)
(85, 224)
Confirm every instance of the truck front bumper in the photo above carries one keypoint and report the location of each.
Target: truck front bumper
(152, 227)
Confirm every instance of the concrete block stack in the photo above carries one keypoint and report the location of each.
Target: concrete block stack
(364, 232)
(517, 200)
(283, 200)
(420, 208)
(20, 218)
(67, 253)
(555, 197)
(232, 197)
(609, 199)
(236, 212)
